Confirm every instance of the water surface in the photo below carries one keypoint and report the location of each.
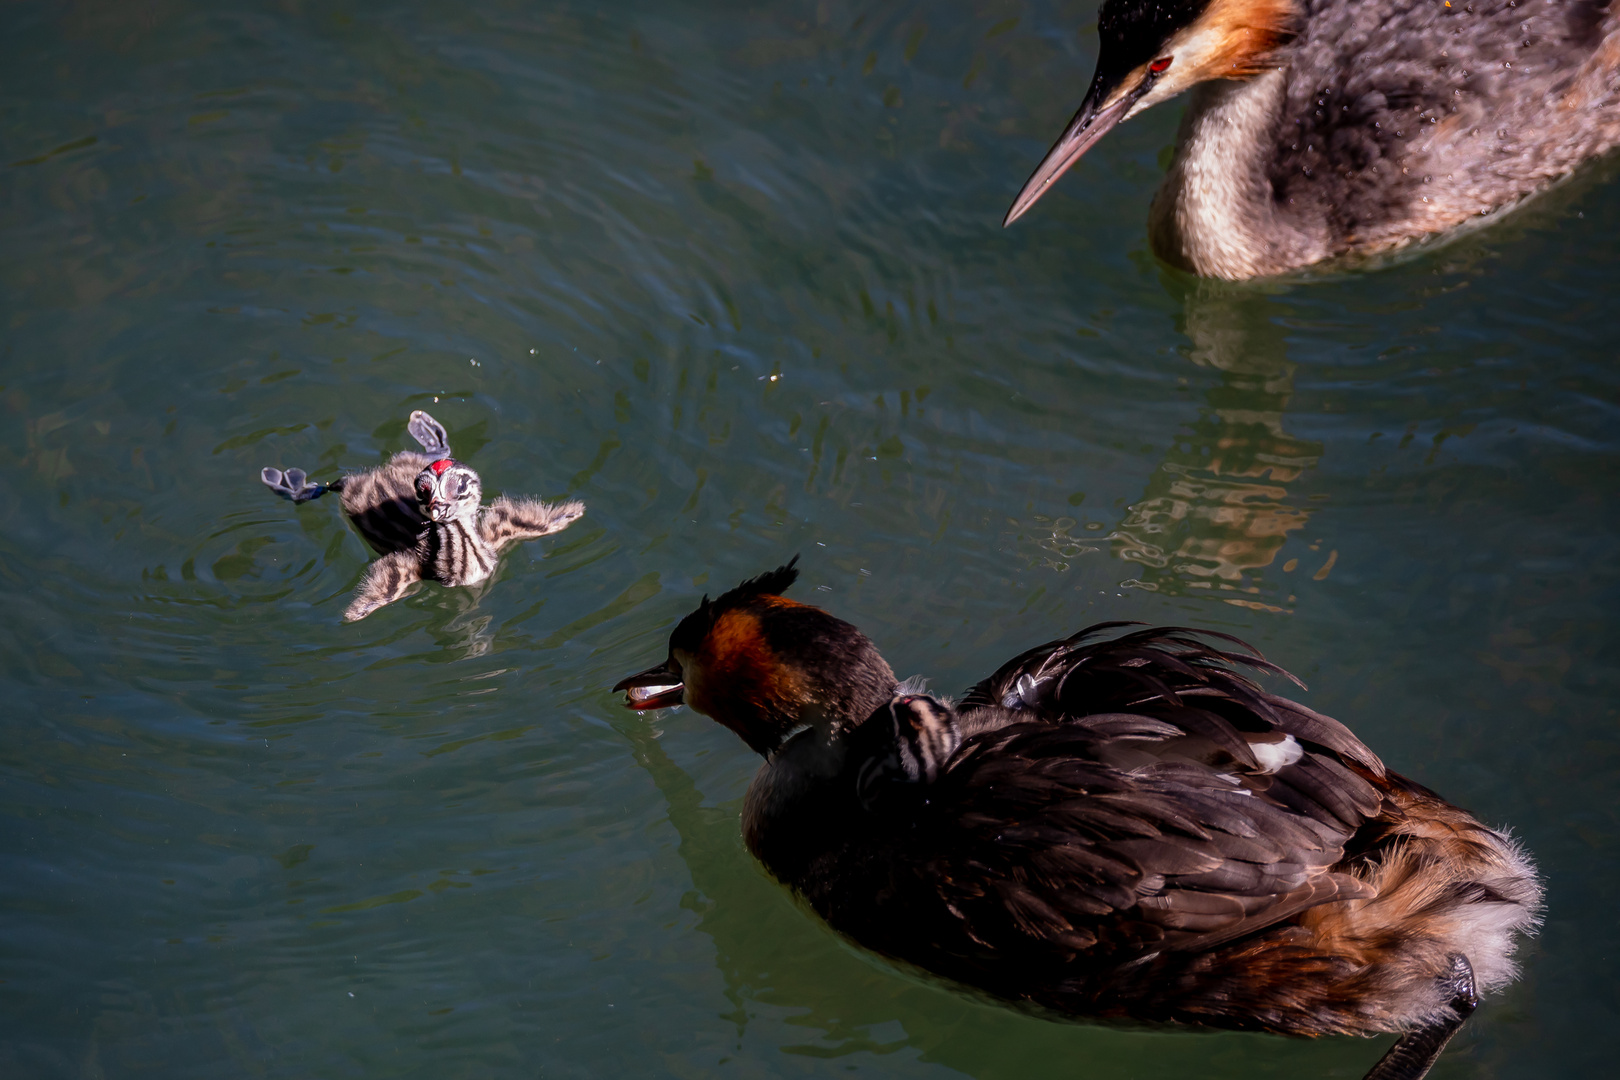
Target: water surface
(733, 275)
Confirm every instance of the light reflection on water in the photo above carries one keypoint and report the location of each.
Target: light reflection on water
(732, 276)
(1218, 511)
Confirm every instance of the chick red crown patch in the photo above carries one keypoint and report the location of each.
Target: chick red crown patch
(439, 466)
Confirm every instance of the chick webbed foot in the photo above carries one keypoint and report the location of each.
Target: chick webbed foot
(430, 433)
(294, 484)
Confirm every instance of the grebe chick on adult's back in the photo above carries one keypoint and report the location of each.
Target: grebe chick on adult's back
(1320, 128)
(1126, 828)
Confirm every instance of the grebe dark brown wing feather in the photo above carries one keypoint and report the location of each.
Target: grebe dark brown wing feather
(1155, 669)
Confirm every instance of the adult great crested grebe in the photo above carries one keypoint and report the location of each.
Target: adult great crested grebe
(1120, 827)
(1320, 128)
(421, 512)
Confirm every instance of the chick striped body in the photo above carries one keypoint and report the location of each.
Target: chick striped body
(454, 554)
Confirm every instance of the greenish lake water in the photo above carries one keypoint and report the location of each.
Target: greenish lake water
(733, 275)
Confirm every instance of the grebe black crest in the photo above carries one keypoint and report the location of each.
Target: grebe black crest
(1121, 825)
(1321, 128)
(422, 513)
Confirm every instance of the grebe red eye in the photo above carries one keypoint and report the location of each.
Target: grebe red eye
(1160, 64)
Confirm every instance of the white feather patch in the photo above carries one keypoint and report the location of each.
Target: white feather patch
(1276, 756)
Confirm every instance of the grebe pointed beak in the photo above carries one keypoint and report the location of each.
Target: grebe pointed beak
(1089, 124)
(656, 688)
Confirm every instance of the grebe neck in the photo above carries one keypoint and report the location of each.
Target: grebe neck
(1216, 213)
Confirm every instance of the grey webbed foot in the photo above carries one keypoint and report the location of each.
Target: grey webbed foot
(1415, 1053)
(293, 484)
(430, 433)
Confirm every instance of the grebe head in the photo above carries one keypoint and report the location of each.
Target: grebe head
(447, 490)
(1151, 50)
(764, 665)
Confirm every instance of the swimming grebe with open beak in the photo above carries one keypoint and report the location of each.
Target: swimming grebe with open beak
(1320, 128)
(1123, 827)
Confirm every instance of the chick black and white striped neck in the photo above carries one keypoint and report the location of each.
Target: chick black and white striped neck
(452, 546)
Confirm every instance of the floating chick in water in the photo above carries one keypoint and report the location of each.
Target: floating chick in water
(421, 512)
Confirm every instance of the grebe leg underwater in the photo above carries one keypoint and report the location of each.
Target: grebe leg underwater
(1321, 128)
(1121, 825)
(422, 513)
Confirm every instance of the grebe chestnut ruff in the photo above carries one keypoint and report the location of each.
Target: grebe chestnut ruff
(421, 512)
(1122, 826)
(1320, 128)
